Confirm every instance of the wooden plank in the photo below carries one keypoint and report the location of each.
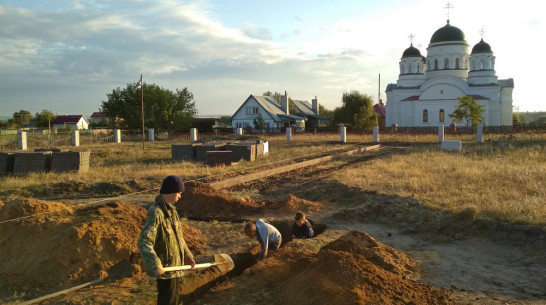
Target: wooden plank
(278, 170)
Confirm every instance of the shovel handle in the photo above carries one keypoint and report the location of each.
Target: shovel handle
(188, 267)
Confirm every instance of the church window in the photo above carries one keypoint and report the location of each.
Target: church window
(409, 68)
(457, 63)
(491, 63)
(441, 115)
(481, 65)
(425, 116)
(418, 68)
(401, 69)
(446, 64)
(436, 64)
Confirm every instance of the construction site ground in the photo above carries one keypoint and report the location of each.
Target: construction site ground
(371, 248)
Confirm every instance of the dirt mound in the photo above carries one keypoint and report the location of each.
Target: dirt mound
(63, 245)
(200, 200)
(292, 204)
(376, 252)
(353, 269)
(356, 269)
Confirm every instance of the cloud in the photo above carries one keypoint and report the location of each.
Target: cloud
(65, 54)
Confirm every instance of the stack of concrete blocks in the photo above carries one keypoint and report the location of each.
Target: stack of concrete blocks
(242, 151)
(26, 163)
(70, 161)
(215, 158)
(201, 150)
(184, 151)
(6, 163)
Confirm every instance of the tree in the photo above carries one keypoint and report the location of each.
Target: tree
(5, 124)
(356, 111)
(163, 109)
(469, 111)
(44, 118)
(259, 122)
(21, 118)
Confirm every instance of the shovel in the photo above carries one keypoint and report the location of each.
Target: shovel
(223, 261)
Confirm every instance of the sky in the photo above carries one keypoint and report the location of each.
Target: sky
(66, 56)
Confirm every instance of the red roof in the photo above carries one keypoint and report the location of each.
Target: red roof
(98, 115)
(380, 110)
(67, 119)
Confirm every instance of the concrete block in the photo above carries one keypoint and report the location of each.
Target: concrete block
(70, 161)
(32, 162)
(183, 151)
(6, 163)
(452, 145)
(215, 158)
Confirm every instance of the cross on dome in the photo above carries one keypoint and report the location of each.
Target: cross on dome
(448, 7)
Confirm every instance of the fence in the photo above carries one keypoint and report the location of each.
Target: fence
(9, 142)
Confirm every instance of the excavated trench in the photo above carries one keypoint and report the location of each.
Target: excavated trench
(199, 283)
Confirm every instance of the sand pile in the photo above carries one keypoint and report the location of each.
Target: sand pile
(353, 269)
(356, 269)
(62, 245)
(200, 200)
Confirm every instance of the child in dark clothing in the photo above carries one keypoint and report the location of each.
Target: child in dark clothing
(302, 228)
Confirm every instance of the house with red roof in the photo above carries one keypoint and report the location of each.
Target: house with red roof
(78, 121)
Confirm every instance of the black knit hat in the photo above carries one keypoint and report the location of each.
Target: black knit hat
(172, 184)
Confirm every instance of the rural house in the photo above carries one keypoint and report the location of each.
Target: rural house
(73, 121)
(275, 114)
(99, 118)
(310, 112)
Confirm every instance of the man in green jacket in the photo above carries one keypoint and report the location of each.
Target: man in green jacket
(161, 243)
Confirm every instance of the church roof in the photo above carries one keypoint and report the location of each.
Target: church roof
(447, 33)
(411, 52)
(481, 47)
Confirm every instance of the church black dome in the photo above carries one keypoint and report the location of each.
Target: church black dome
(447, 33)
(481, 47)
(411, 52)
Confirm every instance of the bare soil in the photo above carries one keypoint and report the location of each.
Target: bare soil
(372, 249)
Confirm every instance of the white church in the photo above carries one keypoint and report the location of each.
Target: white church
(428, 87)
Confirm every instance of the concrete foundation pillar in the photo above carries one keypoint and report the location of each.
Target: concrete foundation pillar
(376, 134)
(441, 133)
(479, 134)
(22, 140)
(151, 134)
(343, 134)
(75, 137)
(117, 136)
(288, 134)
(193, 134)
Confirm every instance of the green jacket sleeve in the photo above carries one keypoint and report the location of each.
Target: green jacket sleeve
(147, 238)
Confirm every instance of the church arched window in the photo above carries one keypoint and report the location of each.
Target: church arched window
(418, 68)
(425, 116)
(409, 68)
(446, 63)
(401, 68)
(491, 63)
(441, 115)
(481, 65)
(457, 63)
(436, 64)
